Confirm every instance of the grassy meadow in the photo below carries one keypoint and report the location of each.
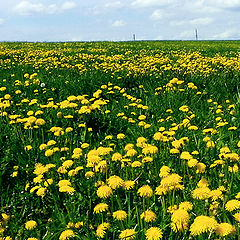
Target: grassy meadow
(120, 140)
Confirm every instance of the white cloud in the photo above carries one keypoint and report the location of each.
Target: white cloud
(159, 14)
(224, 3)
(118, 23)
(211, 6)
(68, 5)
(196, 21)
(51, 9)
(113, 4)
(201, 21)
(152, 3)
(177, 23)
(187, 35)
(228, 34)
(200, 6)
(1, 21)
(29, 8)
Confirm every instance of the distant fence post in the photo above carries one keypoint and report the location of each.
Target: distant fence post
(196, 34)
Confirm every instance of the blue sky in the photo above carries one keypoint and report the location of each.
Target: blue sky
(117, 20)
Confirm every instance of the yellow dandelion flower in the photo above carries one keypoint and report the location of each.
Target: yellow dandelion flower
(127, 234)
(186, 156)
(104, 191)
(42, 146)
(67, 234)
(117, 157)
(232, 205)
(206, 139)
(67, 164)
(233, 169)
(62, 170)
(224, 229)
(115, 182)
(40, 122)
(203, 183)
(48, 182)
(120, 215)
(238, 195)
(164, 171)
(104, 150)
(161, 190)
(101, 207)
(101, 229)
(210, 144)
(5, 217)
(41, 191)
(108, 137)
(203, 224)
(89, 174)
(149, 149)
(131, 152)
(70, 225)
(214, 207)
(192, 127)
(67, 189)
(147, 159)
(180, 215)
(51, 142)
(78, 225)
(85, 145)
(174, 151)
(188, 206)
(129, 146)
(153, 233)
(171, 180)
(237, 216)
(195, 152)
(201, 167)
(136, 164)
(184, 108)
(172, 209)
(148, 216)
(216, 194)
(145, 191)
(29, 225)
(64, 182)
(141, 142)
(49, 153)
(68, 129)
(128, 184)
(192, 162)
(142, 117)
(34, 188)
(201, 193)
(180, 218)
(158, 136)
(120, 136)
(64, 149)
(28, 148)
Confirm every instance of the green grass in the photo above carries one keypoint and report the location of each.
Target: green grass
(135, 80)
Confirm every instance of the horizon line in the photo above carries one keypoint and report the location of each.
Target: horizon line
(140, 40)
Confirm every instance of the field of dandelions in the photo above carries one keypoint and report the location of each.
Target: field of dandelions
(130, 140)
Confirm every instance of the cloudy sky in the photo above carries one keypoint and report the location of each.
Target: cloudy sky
(118, 20)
